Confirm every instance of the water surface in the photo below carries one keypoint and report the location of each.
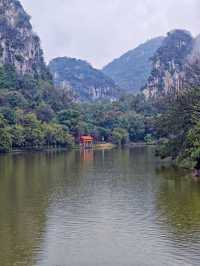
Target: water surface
(98, 208)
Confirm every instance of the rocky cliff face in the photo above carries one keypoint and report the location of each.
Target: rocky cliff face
(192, 67)
(171, 64)
(25, 81)
(84, 81)
(19, 46)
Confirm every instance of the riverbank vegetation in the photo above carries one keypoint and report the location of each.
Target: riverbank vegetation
(129, 119)
(34, 115)
(178, 129)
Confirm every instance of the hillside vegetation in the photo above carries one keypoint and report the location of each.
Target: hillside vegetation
(131, 71)
(83, 81)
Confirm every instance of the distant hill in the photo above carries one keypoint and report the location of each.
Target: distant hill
(79, 77)
(131, 71)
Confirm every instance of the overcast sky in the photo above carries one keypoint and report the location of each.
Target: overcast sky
(100, 30)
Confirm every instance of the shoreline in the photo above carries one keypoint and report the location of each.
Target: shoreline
(49, 149)
(97, 146)
(101, 146)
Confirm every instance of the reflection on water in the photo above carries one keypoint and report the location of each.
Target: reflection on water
(178, 200)
(87, 154)
(88, 208)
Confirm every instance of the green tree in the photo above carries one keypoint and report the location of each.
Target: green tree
(45, 113)
(136, 126)
(9, 115)
(63, 138)
(191, 155)
(33, 131)
(18, 136)
(5, 140)
(119, 136)
(5, 137)
(178, 128)
(56, 135)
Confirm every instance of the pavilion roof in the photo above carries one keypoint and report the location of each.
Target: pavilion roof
(87, 138)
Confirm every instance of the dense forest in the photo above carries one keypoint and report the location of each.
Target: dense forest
(46, 118)
(35, 113)
(178, 129)
(172, 123)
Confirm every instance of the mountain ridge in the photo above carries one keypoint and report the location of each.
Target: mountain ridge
(131, 70)
(85, 81)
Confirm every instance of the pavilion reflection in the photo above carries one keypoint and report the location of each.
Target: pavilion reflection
(87, 154)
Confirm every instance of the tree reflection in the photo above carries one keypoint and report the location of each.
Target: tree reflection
(178, 201)
(28, 183)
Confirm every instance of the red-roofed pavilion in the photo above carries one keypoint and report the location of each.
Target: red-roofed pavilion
(86, 141)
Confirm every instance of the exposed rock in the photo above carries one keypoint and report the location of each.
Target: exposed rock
(169, 65)
(25, 81)
(86, 82)
(196, 49)
(19, 46)
(192, 67)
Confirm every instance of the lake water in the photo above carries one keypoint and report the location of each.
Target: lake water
(97, 208)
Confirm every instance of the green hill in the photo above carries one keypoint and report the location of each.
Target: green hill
(78, 76)
(131, 71)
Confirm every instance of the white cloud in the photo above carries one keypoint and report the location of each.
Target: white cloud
(100, 30)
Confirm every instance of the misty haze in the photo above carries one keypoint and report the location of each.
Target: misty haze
(99, 31)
